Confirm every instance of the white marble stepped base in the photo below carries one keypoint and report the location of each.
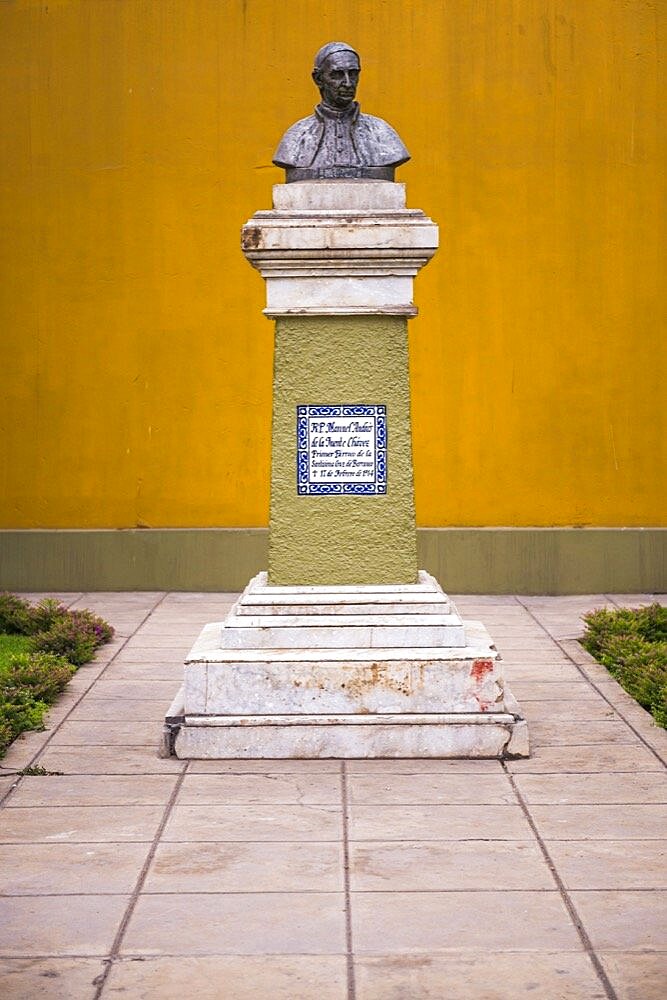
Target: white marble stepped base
(350, 618)
(354, 672)
(352, 736)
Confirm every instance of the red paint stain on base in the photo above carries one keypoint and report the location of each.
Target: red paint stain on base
(480, 669)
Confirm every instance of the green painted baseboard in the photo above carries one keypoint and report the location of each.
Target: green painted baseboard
(464, 560)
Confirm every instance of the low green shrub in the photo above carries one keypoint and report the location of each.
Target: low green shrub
(632, 645)
(20, 711)
(92, 625)
(15, 615)
(65, 638)
(7, 734)
(45, 614)
(42, 646)
(29, 684)
(45, 674)
(19, 617)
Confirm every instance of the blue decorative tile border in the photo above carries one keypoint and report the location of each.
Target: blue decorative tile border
(341, 449)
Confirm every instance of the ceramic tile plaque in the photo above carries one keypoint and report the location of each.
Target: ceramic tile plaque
(341, 448)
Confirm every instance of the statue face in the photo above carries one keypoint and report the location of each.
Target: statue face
(337, 79)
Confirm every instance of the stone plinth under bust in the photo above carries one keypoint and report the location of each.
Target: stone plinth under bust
(336, 248)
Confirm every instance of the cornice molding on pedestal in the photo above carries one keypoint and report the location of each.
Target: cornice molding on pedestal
(333, 248)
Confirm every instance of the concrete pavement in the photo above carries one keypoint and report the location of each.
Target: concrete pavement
(129, 875)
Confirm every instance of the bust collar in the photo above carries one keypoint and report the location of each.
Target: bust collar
(351, 113)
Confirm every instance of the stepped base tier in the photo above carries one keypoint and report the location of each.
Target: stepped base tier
(344, 671)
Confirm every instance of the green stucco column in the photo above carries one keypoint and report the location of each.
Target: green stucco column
(342, 539)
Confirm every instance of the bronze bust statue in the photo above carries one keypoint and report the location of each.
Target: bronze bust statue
(337, 141)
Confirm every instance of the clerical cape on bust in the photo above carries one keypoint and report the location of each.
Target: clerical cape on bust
(338, 141)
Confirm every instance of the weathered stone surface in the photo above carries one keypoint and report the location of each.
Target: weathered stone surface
(347, 686)
(425, 584)
(300, 196)
(322, 631)
(316, 685)
(347, 736)
(332, 248)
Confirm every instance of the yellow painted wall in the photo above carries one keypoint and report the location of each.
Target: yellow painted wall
(137, 137)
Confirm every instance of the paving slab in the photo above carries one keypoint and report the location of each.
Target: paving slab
(47, 869)
(467, 976)
(225, 789)
(636, 976)
(430, 789)
(114, 731)
(588, 710)
(92, 790)
(619, 920)
(431, 922)
(167, 652)
(192, 824)
(610, 864)
(79, 824)
(536, 672)
(554, 690)
(601, 822)
(547, 656)
(446, 822)
(131, 709)
(557, 733)
(390, 866)
(127, 669)
(42, 926)
(594, 758)
(273, 766)
(108, 760)
(238, 867)
(426, 766)
(256, 923)
(601, 788)
(49, 978)
(152, 690)
(247, 977)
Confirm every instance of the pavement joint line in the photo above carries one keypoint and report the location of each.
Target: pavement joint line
(349, 949)
(564, 894)
(132, 956)
(78, 701)
(611, 704)
(141, 879)
(519, 890)
(274, 802)
(575, 773)
(387, 841)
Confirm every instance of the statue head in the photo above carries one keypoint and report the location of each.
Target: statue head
(336, 74)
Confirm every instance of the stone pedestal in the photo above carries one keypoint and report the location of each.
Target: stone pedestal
(339, 259)
(344, 649)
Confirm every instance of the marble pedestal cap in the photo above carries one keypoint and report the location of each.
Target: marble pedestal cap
(339, 248)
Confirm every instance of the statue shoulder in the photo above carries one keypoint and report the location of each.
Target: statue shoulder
(299, 143)
(386, 144)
